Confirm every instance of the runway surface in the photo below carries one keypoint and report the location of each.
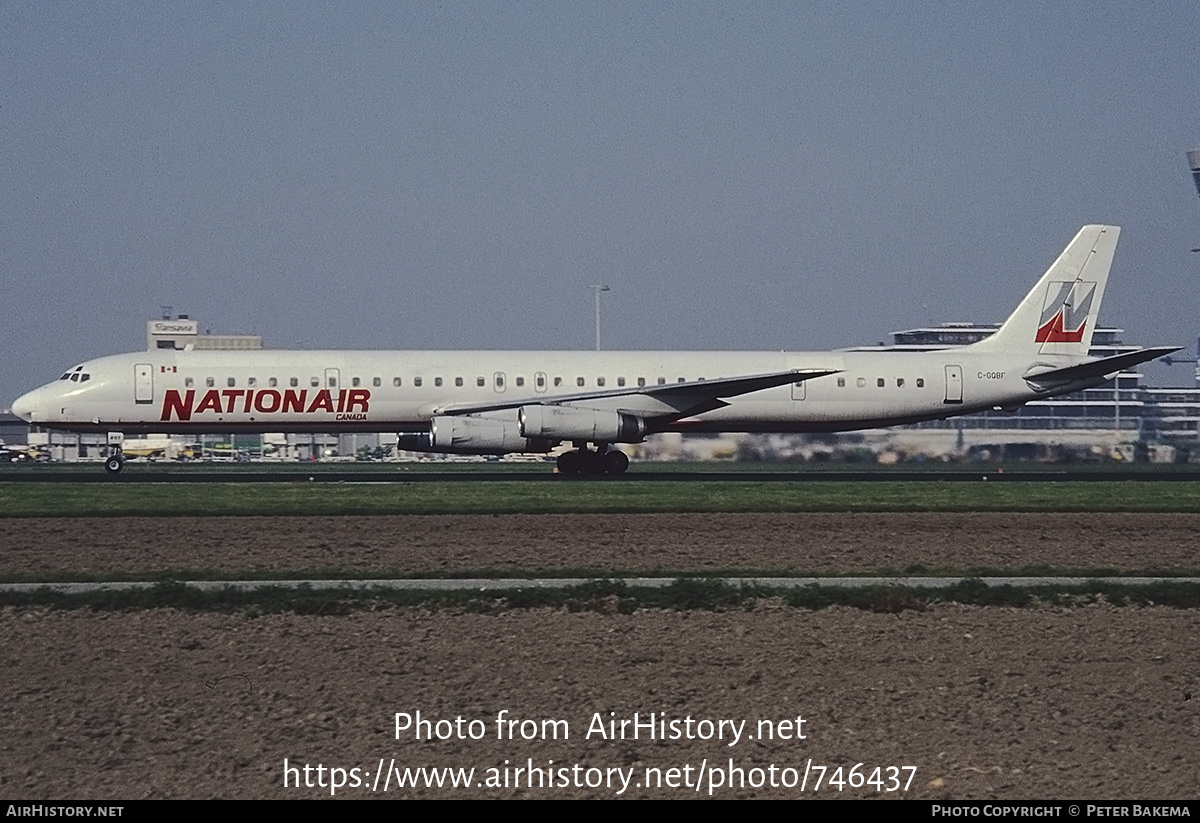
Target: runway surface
(97, 475)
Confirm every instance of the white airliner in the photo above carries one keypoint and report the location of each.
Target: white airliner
(497, 402)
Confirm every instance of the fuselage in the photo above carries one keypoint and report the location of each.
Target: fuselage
(496, 402)
(328, 391)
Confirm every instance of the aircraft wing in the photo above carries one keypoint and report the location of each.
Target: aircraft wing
(1049, 378)
(659, 400)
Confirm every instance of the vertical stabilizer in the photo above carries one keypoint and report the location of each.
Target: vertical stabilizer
(1059, 315)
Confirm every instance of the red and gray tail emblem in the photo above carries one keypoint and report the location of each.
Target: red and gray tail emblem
(1065, 312)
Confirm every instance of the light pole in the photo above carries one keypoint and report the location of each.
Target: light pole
(597, 289)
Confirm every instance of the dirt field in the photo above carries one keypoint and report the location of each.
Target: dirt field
(1091, 702)
(683, 542)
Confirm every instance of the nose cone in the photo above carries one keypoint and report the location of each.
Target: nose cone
(24, 405)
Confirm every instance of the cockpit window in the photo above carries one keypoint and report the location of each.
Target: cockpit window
(76, 375)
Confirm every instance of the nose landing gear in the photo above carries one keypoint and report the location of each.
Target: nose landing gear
(116, 458)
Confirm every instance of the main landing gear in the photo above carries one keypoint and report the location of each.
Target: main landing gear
(586, 461)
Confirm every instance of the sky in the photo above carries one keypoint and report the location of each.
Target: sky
(749, 175)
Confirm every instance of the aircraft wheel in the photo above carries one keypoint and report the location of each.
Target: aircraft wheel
(593, 462)
(616, 462)
(568, 463)
(114, 464)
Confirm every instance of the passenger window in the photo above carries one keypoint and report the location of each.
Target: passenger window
(881, 382)
(315, 382)
(437, 381)
(681, 380)
(920, 382)
(294, 382)
(662, 381)
(841, 382)
(579, 381)
(397, 382)
(480, 381)
(356, 382)
(541, 381)
(272, 382)
(253, 381)
(458, 381)
(620, 381)
(600, 382)
(520, 381)
(861, 382)
(899, 382)
(417, 382)
(641, 381)
(188, 382)
(375, 381)
(557, 382)
(210, 382)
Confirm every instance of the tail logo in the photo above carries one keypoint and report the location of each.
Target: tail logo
(1065, 312)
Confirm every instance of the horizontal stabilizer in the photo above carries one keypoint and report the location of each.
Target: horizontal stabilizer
(1044, 380)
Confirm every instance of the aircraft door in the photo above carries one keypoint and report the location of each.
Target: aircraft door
(143, 383)
(498, 382)
(333, 379)
(539, 382)
(798, 390)
(954, 384)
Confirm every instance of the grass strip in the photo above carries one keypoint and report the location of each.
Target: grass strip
(572, 497)
(609, 597)
(164, 575)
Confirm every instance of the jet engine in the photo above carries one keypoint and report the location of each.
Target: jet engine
(567, 423)
(472, 435)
